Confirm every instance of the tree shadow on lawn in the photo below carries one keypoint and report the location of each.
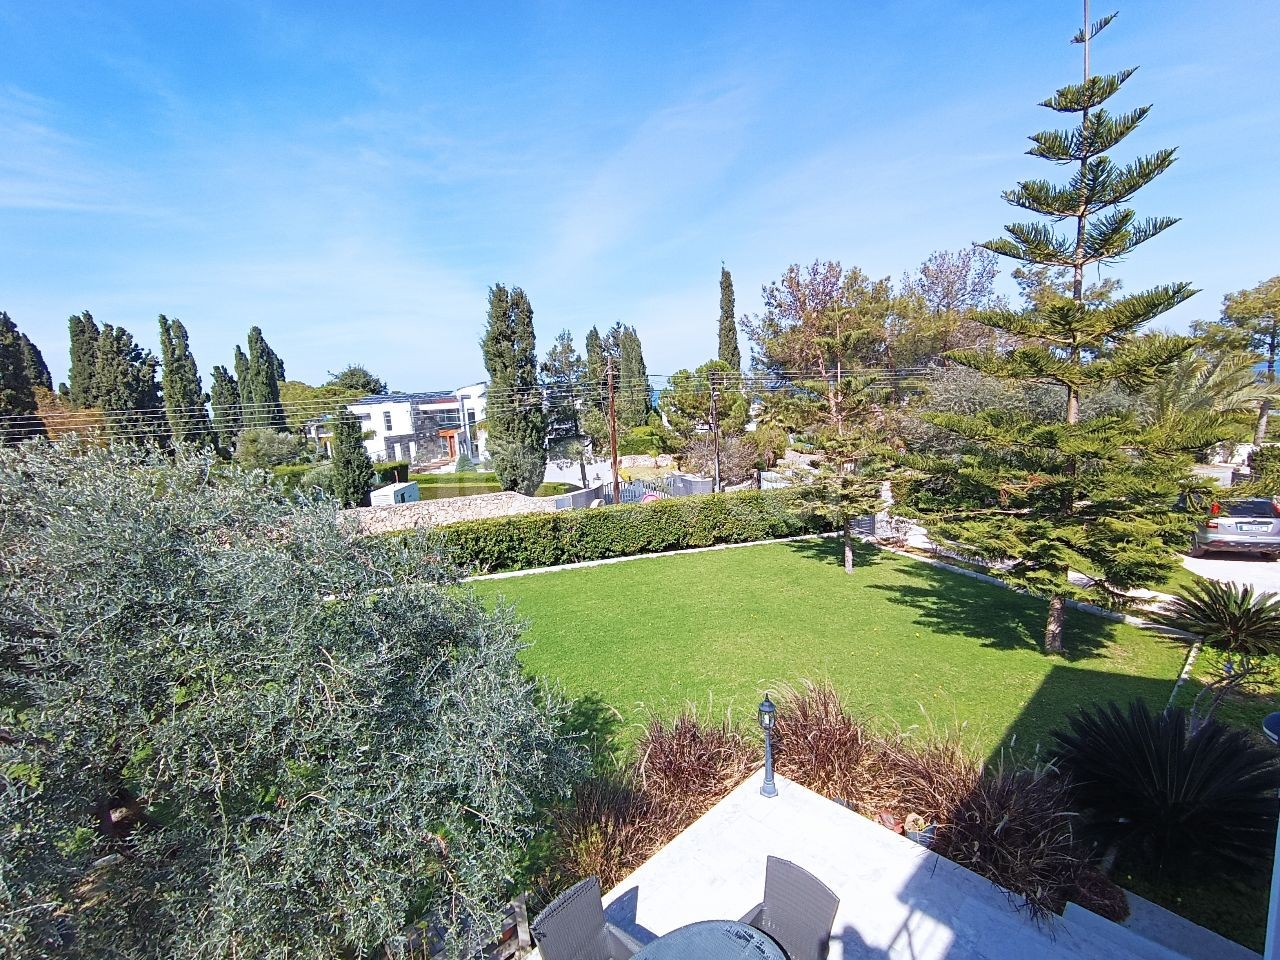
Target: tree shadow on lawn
(1064, 690)
(595, 724)
(951, 603)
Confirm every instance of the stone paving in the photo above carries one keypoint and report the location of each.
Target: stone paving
(898, 901)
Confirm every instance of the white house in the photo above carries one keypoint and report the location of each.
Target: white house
(424, 427)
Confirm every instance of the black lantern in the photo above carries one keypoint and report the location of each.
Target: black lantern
(766, 715)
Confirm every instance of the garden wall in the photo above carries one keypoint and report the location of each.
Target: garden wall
(436, 513)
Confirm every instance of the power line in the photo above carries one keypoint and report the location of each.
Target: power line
(148, 422)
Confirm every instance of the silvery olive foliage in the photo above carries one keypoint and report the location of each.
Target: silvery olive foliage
(230, 728)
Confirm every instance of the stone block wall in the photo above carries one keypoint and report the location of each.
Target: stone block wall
(438, 513)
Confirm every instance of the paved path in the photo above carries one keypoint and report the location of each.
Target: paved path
(1246, 569)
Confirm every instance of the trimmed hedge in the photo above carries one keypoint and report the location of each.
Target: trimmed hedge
(570, 536)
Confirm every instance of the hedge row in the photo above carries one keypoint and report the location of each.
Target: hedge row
(570, 536)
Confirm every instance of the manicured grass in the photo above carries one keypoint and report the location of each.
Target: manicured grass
(437, 486)
(903, 641)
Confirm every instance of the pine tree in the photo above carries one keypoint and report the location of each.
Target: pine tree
(184, 397)
(33, 360)
(514, 412)
(224, 397)
(563, 371)
(729, 352)
(84, 359)
(124, 386)
(260, 383)
(1088, 496)
(18, 419)
(352, 467)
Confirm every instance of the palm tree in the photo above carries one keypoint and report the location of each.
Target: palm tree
(1205, 387)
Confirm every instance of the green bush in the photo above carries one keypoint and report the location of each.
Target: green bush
(290, 475)
(569, 536)
(235, 729)
(392, 471)
(464, 465)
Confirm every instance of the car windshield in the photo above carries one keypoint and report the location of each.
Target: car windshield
(1248, 508)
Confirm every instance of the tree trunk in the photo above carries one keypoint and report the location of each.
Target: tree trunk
(848, 546)
(1260, 432)
(1056, 624)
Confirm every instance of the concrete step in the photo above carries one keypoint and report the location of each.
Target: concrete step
(1117, 939)
(1178, 933)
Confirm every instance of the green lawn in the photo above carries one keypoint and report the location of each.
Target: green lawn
(903, 641)
(437, 486)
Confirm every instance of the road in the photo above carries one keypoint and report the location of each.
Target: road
(1242, 568)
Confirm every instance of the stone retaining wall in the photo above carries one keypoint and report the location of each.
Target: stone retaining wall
(436, 513)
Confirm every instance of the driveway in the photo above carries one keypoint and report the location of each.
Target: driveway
(1244, 568)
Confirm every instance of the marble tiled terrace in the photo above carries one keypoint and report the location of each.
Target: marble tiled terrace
(897, 899)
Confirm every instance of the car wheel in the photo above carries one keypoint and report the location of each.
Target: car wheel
(1196, 550)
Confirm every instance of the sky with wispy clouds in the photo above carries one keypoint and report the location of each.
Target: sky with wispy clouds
(353, 177)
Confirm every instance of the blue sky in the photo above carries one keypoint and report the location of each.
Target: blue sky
(353, 177)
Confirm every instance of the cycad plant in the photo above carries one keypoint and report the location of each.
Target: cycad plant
(1229, 616)
(1179, 801)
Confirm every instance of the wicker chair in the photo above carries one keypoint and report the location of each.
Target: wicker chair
(572, 927)
(798, 910)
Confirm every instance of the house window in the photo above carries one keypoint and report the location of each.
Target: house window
(386, 420)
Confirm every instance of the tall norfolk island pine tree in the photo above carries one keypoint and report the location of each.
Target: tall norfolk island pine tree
(1094, 496)
(517, 422)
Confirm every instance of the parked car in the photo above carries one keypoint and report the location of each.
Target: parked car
(1239, 526)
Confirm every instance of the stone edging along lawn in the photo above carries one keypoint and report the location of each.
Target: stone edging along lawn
(1090, 608)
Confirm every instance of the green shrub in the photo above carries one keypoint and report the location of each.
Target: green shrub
(392, 471)
(236, 729)
(464, 465)
(569, 536)
(290, 475)
(1228, 615)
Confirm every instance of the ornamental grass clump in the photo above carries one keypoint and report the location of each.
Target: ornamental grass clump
(236, 729)
(681, 769)
(1013, 827)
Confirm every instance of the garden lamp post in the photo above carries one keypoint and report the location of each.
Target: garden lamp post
(768, 788)
(1271, 727)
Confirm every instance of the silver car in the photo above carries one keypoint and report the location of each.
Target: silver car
(1239, 526)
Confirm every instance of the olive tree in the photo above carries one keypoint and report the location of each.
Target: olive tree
(233, 728)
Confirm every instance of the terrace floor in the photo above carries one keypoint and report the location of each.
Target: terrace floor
(897, 900)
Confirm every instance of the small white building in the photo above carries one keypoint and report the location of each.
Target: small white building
(423, 428)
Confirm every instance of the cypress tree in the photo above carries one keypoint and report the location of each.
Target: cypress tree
(224, 397)
(84, 359)
(18, 419)
(242, 374)
(184, 397)
(634, 402)
(260, 383)
(33, 360)
(514, 407)
(1093, 496)
(351, 464)
(124, 386)
(595, 399)
(729, 352)
(562, 372)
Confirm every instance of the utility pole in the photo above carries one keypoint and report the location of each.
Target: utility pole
(613, 436)
(715, 436)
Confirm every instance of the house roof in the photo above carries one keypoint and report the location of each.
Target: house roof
(431, 396)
